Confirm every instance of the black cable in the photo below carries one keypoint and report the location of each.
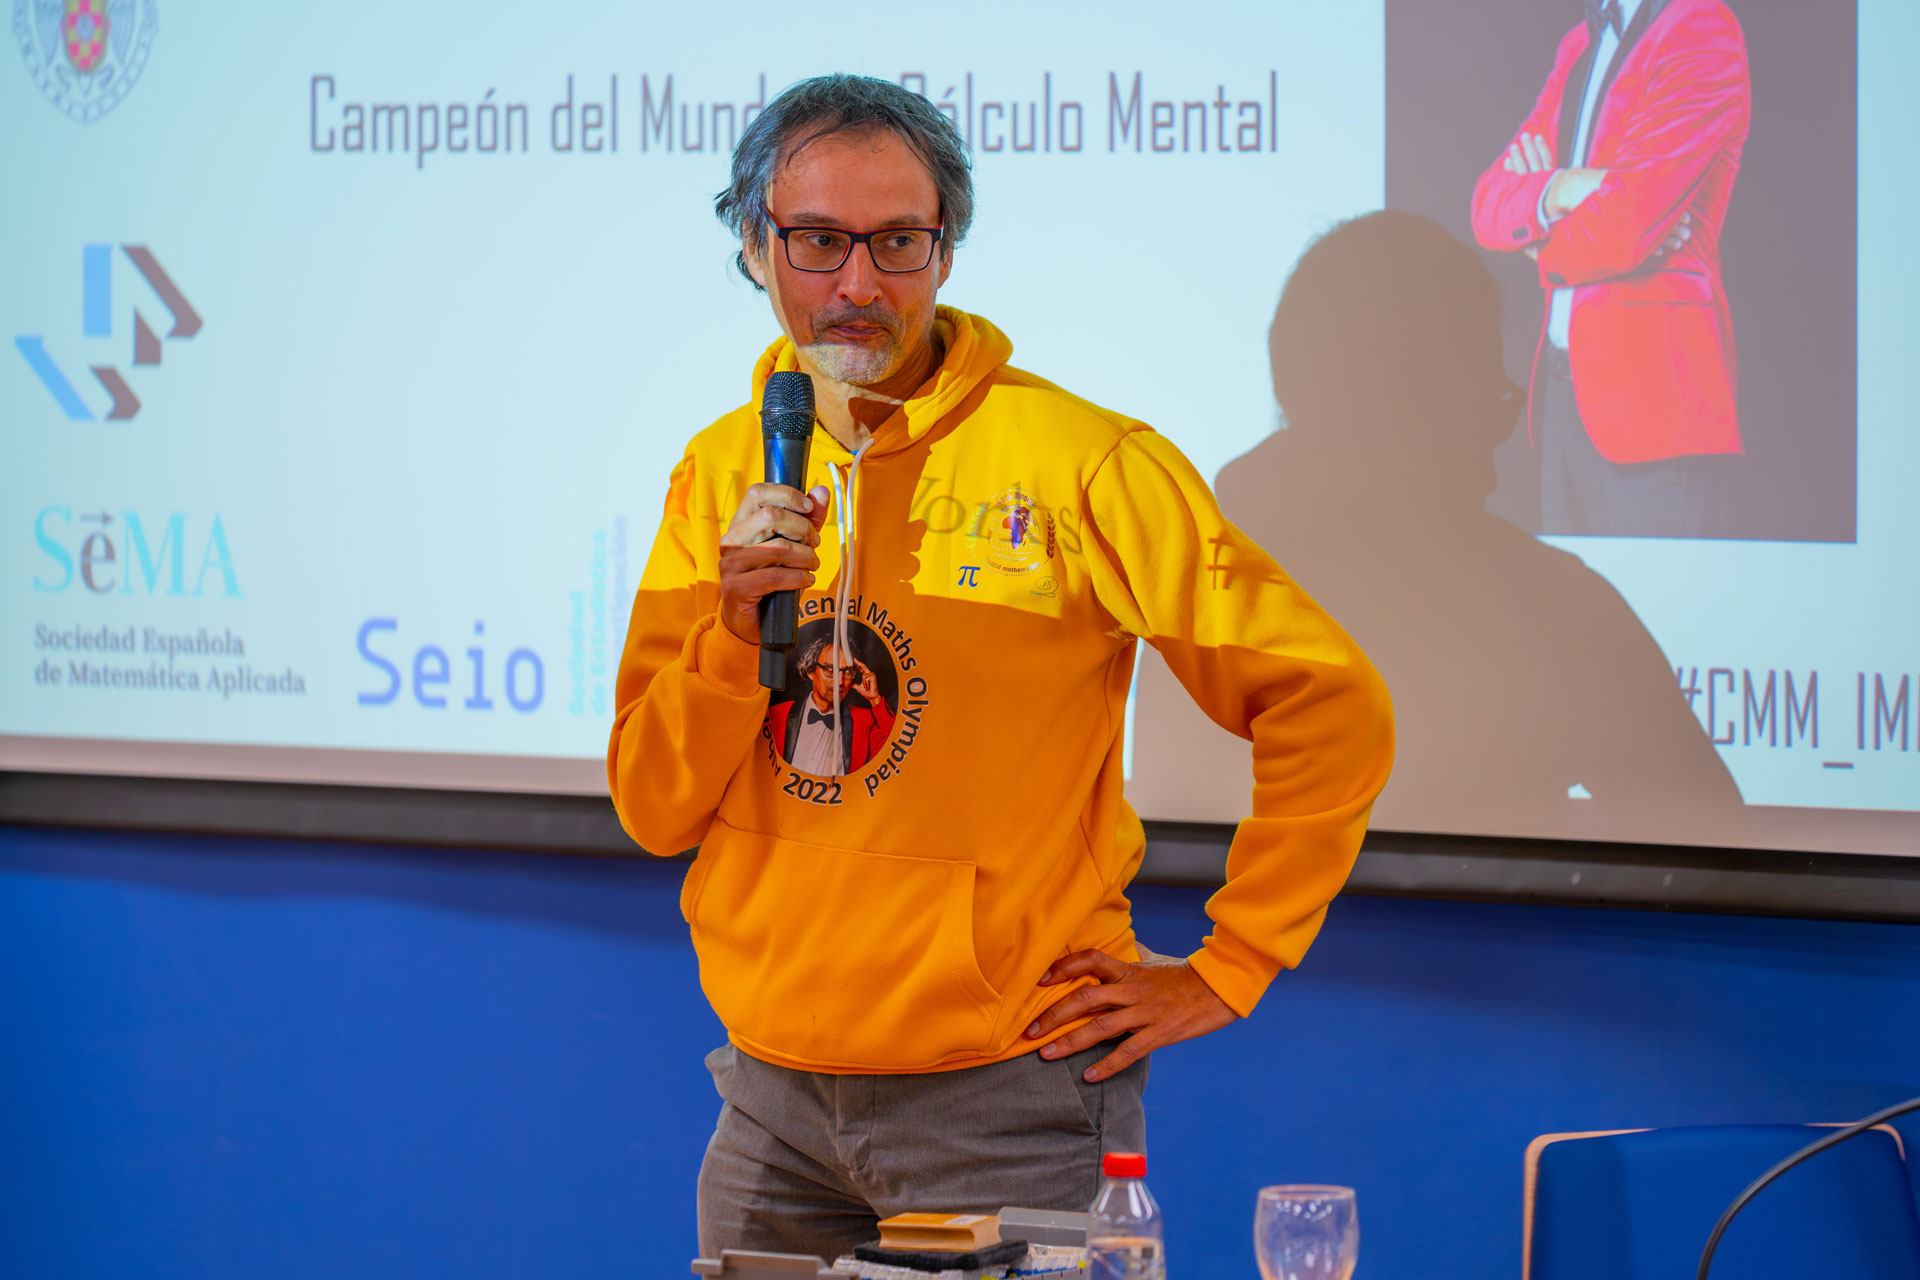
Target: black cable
(1811, 1149)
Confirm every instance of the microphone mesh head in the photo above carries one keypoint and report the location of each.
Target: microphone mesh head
(786, 408)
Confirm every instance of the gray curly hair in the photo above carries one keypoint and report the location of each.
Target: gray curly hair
(826, 105)
(814, 654)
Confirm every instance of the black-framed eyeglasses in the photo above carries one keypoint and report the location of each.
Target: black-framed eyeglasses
(896, 250)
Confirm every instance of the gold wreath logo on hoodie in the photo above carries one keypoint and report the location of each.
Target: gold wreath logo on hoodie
(1012, 532)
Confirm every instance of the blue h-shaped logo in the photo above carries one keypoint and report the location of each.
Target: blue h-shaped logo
(96, 321)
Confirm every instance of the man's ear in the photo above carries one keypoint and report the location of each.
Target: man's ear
(946, 264)
(756, 260)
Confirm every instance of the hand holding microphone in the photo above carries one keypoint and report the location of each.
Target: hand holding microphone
(768, 548)
(767, 553)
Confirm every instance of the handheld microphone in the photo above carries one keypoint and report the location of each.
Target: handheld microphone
(786, 431)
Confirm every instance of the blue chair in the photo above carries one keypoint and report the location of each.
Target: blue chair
(1638, 1204)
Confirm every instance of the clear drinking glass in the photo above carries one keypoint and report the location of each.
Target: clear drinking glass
(1306, 1233)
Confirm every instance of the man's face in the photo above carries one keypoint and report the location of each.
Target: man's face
(858, 325)
(822, 677)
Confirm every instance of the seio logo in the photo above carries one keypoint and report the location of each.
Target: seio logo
(105, 553)
(96, 321)
(436, 682)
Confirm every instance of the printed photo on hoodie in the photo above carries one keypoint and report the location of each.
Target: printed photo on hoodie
(804, 726)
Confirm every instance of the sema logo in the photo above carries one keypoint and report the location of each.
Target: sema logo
(96, 312)
(84, 54)
(107, 553)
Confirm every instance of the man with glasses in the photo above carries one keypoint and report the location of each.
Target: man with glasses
(822, 736)
(926, 962)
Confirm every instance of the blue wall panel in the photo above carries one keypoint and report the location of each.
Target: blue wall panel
(226, 1058)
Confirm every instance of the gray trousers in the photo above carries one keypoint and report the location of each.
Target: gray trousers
(1583, 493)
(804, 1162)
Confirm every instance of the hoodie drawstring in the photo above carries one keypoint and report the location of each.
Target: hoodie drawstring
(845, 523)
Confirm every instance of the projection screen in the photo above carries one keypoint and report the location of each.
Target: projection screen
(352, 345)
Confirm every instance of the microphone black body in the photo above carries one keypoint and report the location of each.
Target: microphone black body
(786, 432)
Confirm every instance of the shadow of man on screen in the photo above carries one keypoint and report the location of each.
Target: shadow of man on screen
(1529, 699)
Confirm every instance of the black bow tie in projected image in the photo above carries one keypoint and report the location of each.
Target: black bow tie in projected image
(823, 717)
(1605, 13)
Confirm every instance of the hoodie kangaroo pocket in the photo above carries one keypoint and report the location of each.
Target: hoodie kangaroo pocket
(840, 958)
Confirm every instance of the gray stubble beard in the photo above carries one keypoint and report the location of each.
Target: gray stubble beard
(855, 366)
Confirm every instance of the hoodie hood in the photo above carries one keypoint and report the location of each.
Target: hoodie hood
(973, 348)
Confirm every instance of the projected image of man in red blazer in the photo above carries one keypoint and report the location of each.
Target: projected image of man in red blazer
(1617, 185)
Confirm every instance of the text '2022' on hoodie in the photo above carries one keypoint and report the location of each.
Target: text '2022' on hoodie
(889, 860)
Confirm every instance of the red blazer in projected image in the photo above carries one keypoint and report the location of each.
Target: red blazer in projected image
(870, 728)
(1650, 337)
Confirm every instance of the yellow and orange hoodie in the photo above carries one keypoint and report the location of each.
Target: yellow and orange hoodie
(1009, 546)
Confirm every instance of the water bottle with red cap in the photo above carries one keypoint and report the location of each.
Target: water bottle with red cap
(1125, 1240)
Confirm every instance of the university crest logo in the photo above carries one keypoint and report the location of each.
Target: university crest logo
(84, 54)
(1012, 532)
